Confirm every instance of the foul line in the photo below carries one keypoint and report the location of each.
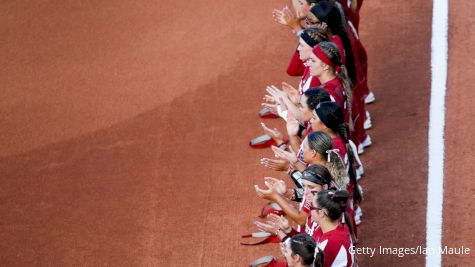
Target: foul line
(435, 186)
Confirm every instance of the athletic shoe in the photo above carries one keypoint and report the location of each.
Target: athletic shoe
(369, 98)
(367, 124)
(358, 215)
(368, 115)
(366, 143)
(359, 172)
(361, 193)
(262, 141)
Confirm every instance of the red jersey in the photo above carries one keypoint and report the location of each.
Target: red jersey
(352, 15)
(336, 246)
(310, 225)
(336, 40)
(296, 66)
(307, 81)
(336, 91)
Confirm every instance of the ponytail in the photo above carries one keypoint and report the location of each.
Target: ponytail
(336, 167)
(318, 258)
(332, 53)
(329, 13)
(334, 202)
(343, 133)
(332, 116)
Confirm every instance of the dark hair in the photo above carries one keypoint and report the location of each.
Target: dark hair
(315, 96)
(313, 1)
(322, 144)
(333, 54)
(329, 13)
(317, 174)
(319, 257)
(304, 246)
(334, 202)
(317, 34)
(334, 119)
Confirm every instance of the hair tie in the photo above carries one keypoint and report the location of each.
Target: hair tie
(334, 150)
(331, 194)
(337, 69)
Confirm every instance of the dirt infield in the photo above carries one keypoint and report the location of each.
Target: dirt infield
(125, 129)
(459, 186)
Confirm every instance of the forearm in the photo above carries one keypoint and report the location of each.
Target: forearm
(294, 142)
(293, 213)
(293, 109)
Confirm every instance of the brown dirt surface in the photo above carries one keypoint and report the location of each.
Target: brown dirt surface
(397, 36)
(125, 129)
(459, 187)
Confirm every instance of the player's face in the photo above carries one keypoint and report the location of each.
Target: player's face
(316, 123)
(310, 189)
(304, 50)
(317, 212)
(290, 257)
(308, 153)
(312, 20)
(317, 67)
(306, 111)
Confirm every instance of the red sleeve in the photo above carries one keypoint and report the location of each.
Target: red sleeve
(296, 67)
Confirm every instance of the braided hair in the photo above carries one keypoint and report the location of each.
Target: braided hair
(332, 117)
(329, 13)
(303, 245)
(317, 34)
(322, 144)
(333, 54)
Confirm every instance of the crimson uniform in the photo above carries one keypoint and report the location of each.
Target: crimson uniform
(339, 144)
(352, 15)
(360, 88)
(310, 225)
(337, 94)
(296, 66)
(337, 40)
(336, 246)
(307, 81)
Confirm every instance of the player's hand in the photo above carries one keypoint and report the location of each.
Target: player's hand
(280, 221)
(274, 133)
(275, 164)
(292, 125)
(278, 185)
(292, 93)
(268, 226)
(291, 157)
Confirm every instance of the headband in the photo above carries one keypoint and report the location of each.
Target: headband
(321, 55)
(308, 39)
(314, 177)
